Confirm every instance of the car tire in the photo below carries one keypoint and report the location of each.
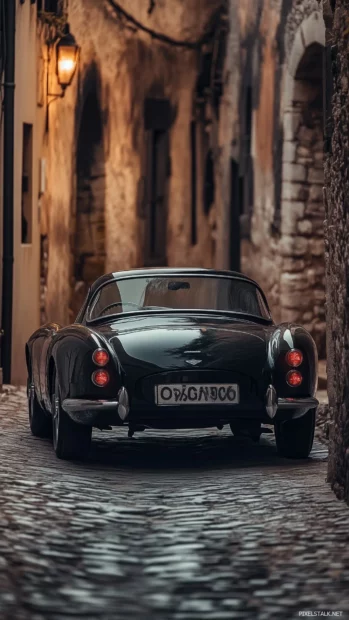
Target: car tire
(294, 438)
(39, 421)
(71, 441)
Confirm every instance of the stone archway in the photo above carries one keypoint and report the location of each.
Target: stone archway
(88, 242)
(302, 286)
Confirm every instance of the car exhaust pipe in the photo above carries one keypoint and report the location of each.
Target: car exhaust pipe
(271, 402)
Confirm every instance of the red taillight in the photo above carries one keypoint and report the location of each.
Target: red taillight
(294, 378)
(100, 357)
(294, 358)
(100, 378)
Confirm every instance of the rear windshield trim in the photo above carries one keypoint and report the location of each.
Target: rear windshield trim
(197, 312)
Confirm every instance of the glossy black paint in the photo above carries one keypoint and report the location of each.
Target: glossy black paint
(153, 347)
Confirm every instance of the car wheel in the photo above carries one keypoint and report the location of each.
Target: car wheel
(294, 438)
(71, 441)
(39, 420)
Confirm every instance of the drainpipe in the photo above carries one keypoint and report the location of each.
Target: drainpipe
(8, 182)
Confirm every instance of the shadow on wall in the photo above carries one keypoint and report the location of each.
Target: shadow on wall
(88, 240)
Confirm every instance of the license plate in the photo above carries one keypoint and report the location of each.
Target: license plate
(197, 394)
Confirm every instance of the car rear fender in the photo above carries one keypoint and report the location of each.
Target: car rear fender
(71, 352)
(284, 338)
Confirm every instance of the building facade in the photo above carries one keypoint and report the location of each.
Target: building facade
(122, 189)
(271, 156)
(103, 176)
(26, 163)
(190, 135)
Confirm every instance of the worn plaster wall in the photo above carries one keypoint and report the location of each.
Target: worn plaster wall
(25, 318)
(121, 66)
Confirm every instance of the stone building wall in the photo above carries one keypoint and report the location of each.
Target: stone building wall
(337, 243)
(264, 127)
(278, 60)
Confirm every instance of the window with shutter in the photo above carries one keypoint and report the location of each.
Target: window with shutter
(209, 186)
(193, 151)
(235, 212)
(246, 166)
(157, 119)
(51, 6)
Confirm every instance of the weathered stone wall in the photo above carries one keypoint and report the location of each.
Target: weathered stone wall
(302, 283)
(122, 65)
(337, 256)
(280, 56)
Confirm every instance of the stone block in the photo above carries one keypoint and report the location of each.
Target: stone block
(296, 54)
(315, 193)
(320, 311)
(317, 247)
(305, 136)
(292, 120)
(305, 227)
(319, 294)
(318, 226)
(313, 29)
(293, 265)
(292, 212)
(307, 317)
(293, 282)
(304, 151)
(294, 191)
(311, 276)
(289, 151)
(305, 161)
(293, 246)
(316, 175)
(295, 300)
(290, 315)
(320, 327)
(315, 210)
(293, 172)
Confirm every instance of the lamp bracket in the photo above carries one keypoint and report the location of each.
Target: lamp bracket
(55, 96)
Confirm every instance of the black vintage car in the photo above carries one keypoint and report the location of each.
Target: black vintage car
(172, 348)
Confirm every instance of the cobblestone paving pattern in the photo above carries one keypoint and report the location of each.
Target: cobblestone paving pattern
(175, 525)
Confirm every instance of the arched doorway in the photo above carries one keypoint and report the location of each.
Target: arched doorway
(302, 290)
(88, 241)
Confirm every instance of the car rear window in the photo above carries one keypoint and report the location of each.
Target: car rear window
(136, 294)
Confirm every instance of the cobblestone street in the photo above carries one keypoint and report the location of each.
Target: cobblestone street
(166, 525)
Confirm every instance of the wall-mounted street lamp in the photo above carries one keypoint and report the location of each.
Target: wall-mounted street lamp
(67, 58)
(67, 55)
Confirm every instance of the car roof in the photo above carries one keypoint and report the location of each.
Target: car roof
(174, 271)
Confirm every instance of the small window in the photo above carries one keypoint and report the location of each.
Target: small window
(27, 174)
(51, 6)
(193, 182)
(209, 186)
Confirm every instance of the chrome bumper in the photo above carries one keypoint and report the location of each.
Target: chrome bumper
(121, 406)
(274, 404)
